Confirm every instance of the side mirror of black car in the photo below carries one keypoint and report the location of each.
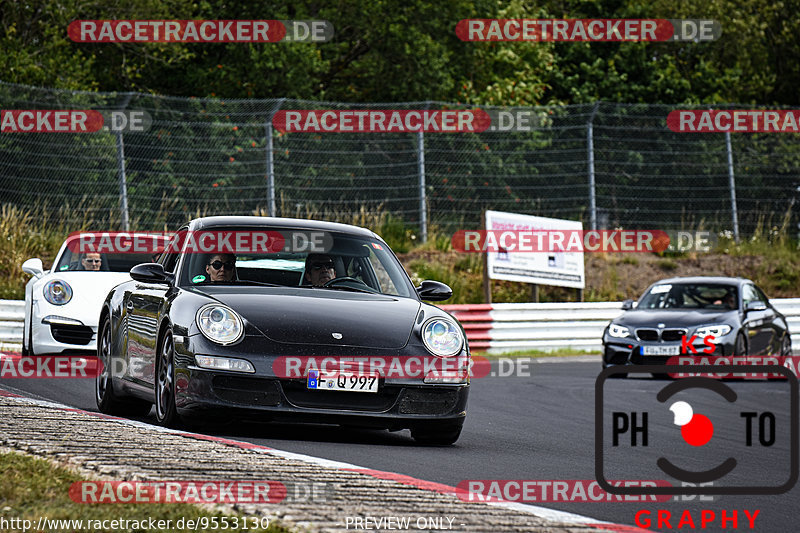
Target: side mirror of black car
(434, 291)
(151, 273)
(755, 306)
(627, 305)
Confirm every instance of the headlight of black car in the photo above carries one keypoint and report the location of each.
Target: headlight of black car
(716, 331)
(442, 337)
(220, 324)
(620, 332)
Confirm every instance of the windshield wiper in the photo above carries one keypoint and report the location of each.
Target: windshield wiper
(346, 288)
(246, 282)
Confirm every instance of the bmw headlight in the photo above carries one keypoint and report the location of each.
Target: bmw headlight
(58, 292)
(220, 323)
(620, 332)
(442, 337)
(715, 331)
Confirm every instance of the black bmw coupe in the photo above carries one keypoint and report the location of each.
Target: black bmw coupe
(698, 316)
(287, 320)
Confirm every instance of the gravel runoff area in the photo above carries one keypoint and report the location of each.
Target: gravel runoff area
(107, 448)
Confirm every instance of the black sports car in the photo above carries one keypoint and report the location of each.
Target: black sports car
(336, 334)
(699, 316)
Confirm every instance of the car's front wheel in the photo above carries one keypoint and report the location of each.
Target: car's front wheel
(166, 412)
(786, 345)
(107, 401)
(741, 345)
(437, 434)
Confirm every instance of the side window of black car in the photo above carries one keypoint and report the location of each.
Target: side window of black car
(751, 295)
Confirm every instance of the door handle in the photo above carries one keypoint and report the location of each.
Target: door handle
(129, 305)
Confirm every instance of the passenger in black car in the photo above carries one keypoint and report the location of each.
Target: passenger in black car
(221, 267)
(320, 269)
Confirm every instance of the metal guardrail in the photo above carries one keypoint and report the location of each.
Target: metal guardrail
(498, 328)
(12, 316)
(495, 328)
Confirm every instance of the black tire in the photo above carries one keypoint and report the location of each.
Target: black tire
(166, 412)
(437, 436)
(107, 401)
(27, 352)
(786, 345)
(740, 348)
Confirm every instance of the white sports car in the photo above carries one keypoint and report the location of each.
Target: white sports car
(62, 305)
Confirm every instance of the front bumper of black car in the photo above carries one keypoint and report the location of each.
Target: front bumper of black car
(630, 351)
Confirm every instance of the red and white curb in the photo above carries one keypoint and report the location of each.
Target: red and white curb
(540, 512)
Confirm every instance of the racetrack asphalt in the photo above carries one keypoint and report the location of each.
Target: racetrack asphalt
(534, 427)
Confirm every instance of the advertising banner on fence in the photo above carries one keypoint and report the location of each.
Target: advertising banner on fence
(553, 267)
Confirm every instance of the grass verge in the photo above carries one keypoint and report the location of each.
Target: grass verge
(34, 488)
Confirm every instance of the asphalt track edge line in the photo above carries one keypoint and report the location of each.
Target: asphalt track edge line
(541, 512)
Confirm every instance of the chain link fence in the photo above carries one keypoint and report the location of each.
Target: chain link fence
(607, 164)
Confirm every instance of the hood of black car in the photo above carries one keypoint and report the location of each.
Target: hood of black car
(675, 317)
(318, 316)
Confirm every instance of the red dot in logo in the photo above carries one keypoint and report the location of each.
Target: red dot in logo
(698, 431)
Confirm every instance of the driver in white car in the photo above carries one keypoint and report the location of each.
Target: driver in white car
(320, 269)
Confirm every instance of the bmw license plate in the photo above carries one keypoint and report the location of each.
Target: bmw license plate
(346, 381)
(661, 350)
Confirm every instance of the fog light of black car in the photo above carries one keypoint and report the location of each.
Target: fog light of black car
(442, 337)
(446, 376)
(224, 363)
(220, 324)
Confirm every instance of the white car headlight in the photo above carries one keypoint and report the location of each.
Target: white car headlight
(220, 323)
(57, 292)
(620, 332)
(442, 337)
(715, 331)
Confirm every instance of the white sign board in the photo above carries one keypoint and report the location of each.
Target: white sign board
(564, 269)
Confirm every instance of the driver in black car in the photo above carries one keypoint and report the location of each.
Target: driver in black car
(320, 269)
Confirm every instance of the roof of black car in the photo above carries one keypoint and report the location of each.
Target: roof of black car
(297, 223)
(705, 279)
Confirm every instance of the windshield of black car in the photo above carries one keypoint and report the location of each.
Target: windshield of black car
(347, 262)
(714, 296)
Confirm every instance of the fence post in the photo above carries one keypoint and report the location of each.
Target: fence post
(271, 164)
(592, 187)
(423, 218)
(123, 185)
(732, 185)
(270, 172)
